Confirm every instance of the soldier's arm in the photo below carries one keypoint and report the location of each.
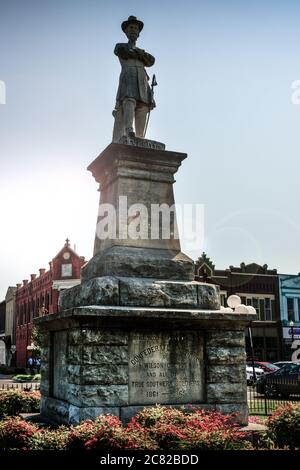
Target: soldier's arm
(123, 51)
(147, 59)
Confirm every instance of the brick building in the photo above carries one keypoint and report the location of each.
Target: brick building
(289, 290)
(39, 296)
(2, 333)
(257, 286)
(10, 325)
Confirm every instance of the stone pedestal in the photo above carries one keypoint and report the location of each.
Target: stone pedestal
(139, 330)
(137, 182)
(118, 360)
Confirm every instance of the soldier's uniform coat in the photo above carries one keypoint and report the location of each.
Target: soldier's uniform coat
(133, 82)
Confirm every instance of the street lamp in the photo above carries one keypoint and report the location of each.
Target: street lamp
(292, 329)
(252, 350)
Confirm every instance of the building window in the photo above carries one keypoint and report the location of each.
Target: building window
(262, 309)
(223, 298)
(273, 309)
(268, 309)
(255, 304)
(290, 309)
(263, 306)
(66, 270)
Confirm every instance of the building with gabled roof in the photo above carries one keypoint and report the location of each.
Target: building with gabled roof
(256, 285)
(39, 296)
(289, 291)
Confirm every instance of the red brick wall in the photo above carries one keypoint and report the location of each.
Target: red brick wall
(31, 296)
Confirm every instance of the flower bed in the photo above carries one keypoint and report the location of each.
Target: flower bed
(15, 434)
(284, 426)
(172, 429)
(14, 402)
(27, 378)
(156, 428)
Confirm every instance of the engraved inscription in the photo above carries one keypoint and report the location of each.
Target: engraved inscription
(166, 367)
(59, 355)
(145, 143)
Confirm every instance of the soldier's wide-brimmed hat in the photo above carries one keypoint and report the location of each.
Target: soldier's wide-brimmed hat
(132, 19)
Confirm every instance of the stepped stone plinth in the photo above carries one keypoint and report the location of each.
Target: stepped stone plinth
(139, 330)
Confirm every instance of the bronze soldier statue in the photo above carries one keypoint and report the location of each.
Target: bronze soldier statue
(134, 97)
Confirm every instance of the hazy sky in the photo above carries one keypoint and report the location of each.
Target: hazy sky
(225, 71)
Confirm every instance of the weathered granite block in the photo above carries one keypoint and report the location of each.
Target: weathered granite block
(75, 336)
(208, 296)
(45, 354)
(97, 354)
(226, 373)
(224, 355)
(74, 354)
(55, 410)
(219, 338)
(226, 393)
(155, 293)
(240, 410)
(45, 340)
(45, 370)
(97, 291)
(105, 354)
(45, 387)
(109, 374)
(141, 292)
(139, 262)
(98, 336)
(74, 374)
(77, 414)
(95, 395)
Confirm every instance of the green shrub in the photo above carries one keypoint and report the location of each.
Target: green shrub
(27, 377)
(103, 433)
(14, 402)
(148, 417)
(156, 428)
(173, 429)
(78, 435)
(49, 439)
(107, 432)
(15, 434)
(284, 426)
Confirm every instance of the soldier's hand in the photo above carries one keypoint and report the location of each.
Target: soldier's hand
(140, 52)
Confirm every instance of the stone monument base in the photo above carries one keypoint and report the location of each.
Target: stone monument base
(141, 292)
(128, 261)
(117, 360)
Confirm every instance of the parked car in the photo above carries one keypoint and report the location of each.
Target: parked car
(267, 367)
(284, 382)
(282, 363)
(250, 376)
